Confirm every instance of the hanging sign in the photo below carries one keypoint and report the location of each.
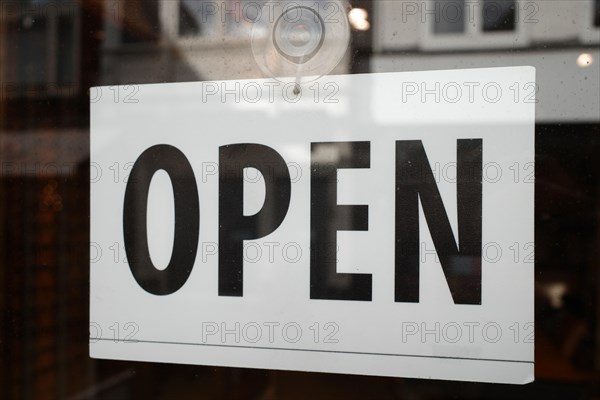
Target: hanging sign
(376, 224)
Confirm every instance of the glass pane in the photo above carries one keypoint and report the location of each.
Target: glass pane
(27, 43)
(198, 17)
(189, 24)
(449, 16)
(66, 49)
(46, 174)
(240, 15)
(141, 23)
(498, 15)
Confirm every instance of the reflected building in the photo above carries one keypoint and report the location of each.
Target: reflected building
(53, 51)
(561, 39)
(179, 41)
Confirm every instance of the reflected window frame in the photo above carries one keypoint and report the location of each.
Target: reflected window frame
(117, 16)
(474, 36)
(169, 30)
(58, 57)
(590, 32)
(222, 28)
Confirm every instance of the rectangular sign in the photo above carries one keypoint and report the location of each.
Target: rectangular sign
(377, 224)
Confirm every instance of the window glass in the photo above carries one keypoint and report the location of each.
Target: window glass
(66, 50)
(141, 21)
(499, 15)
(449, 16)
(27, 42)
(53, 51)
(198, 18)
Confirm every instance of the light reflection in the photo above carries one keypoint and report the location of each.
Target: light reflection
(359, 19)
(585, 60)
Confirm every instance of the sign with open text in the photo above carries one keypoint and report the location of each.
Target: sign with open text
(376, 224)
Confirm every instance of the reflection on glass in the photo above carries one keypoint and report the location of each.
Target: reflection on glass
(141, 22)
(228, 17)
(449, 16)
(27, 44)
(498, 15)
(44, 188)
(198, 18)
(66, 50)
(240, 16)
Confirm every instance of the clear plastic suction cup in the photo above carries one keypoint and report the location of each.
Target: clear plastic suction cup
(300, 41)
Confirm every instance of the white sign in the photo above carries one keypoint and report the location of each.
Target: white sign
(375, 224)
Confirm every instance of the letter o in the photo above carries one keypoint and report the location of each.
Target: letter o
(187, 220)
